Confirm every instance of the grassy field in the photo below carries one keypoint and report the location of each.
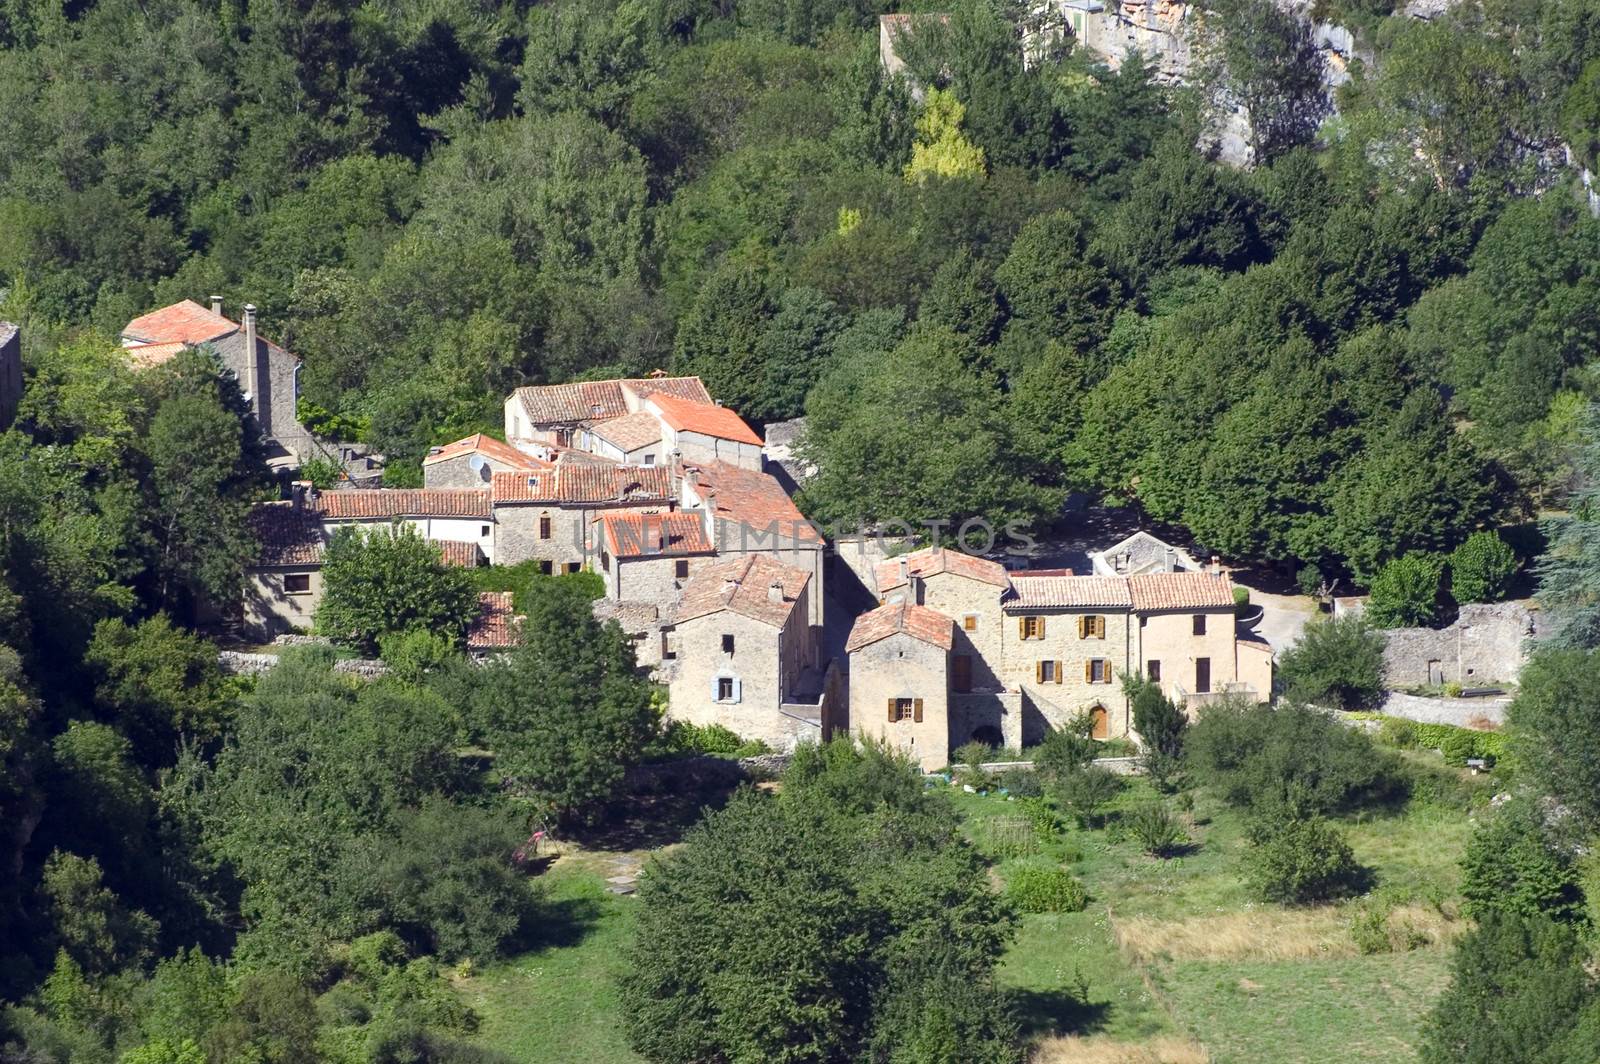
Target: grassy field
(1173, 962)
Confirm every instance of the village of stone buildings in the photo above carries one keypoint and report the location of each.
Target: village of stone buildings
(741, 607)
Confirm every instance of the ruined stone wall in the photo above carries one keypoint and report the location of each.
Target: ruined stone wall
(1485, 645)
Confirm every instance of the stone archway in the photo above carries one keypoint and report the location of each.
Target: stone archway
(989, 735)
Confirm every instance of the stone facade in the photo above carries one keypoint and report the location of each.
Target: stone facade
(10, 373)
(270, 608)
(1182, 659)
(1487, 644)
(656, 580)
(765, 667)
(457, 472)
(1063, 672)
(888, 674)
(519, 531)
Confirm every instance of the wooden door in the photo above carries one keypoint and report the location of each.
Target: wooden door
(1101, 722)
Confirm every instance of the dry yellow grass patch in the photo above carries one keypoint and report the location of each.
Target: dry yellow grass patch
(1273, 934)
(1074, 1050)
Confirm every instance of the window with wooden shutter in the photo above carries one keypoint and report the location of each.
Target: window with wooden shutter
(916, 710)
(1088, 671)
(970, 622)
(1038, 672)
(1022, 627)
(1097, 627)
(1083, 627)
(1059, 671)
(1041, 626)
(892, 717)
(544, 526)
(1199, 624)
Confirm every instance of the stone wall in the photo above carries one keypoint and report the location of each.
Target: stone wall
(1462, 712)
(10, 372)
(1486, 645)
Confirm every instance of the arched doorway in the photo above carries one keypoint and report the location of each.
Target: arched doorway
(988, 735)
(1098, 715)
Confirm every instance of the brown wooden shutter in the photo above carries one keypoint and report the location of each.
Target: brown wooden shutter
(1038, 672)
(891, 711)
(916, 710)
(1088, 671)
(1058, 672)
(1083, 626)
(1041, 627)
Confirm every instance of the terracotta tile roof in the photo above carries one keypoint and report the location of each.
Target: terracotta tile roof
(378, 503)
(460, 552)
(630, 535)
(753, 500)
(1181, 591)
(718, 421)
(582, 483)
(144, 356)
(630, 431)
(600, 400)
(742, 585)
(484, 444)
(289, 535)
(931, 561)
(1032, 591)
(185, 323)
(896, 618)
(495, 627)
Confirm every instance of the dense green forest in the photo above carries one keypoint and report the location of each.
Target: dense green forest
(1374, 341)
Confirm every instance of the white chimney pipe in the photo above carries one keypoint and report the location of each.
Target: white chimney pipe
(775, 592)
(216, 305)
(251, 372)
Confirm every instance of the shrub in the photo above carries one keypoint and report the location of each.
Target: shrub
(1338, 662)
(1084, 791)
(1398, 733)
(1021, 782)
(1405, 592)
(1065, 749)
(682, 737)
(1458, 746)
(1241, 600)
(1034, 887)
(1046, 825)
(1513, 866)
(1369, 930)
(1452, 688)
(1272, 757)
(1155, 829)
(972, 754)
(1309, 580)
(1007, 837)
(1481, 569)
(1299, 861)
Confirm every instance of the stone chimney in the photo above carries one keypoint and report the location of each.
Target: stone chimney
(775, 592)
(905, 571)
(300, 492)
(1216, 565)
(1171, 561)
(216, 305)
(251, 370)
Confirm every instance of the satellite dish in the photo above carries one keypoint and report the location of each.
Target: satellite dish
(479, 466)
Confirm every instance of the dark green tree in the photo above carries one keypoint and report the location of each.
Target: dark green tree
(1405, 593)
(1481, 568)
(1555, 722)
(1337, 662)
(386, 580)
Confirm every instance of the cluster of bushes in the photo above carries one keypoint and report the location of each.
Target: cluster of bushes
(1458, 745)
(1409, 590)
(679, 738)
(1037, 886)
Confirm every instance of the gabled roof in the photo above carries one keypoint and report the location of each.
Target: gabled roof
(717, 421)
(1181, 591)
(288, 534)
(463, 553)
(585, 401)
(572, 482)
(183, 323)
(495, 627)
(753, 500)
(1055, 591)
(144, 356)
(630, 535)
(901, 618)
(630, 431)
(378, 503)
(743, 586)
(931, 561)
(489, 447)
(1144, 552)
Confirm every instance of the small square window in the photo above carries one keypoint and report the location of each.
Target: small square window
(483, 530)
(727, 643)
(1032, 628)
(546, 568)
(1099, 670)
(297, 583)
(970, 622)
(680, 568)
(1199, 624)
(574, 567)
(649, 459)
(544, 527)
(724, 688)
(1152, 671)
(1047, 672)
(903, 708)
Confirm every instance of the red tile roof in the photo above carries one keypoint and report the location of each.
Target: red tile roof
(1181, 591)
(742, 585)
(600, 400)
(495, 627)
(289, 535)
(1032, 591)
(752, 500)
(572, 482)
(901, 618)
(630, 535)
(718, 421)
(630, 431)
(184, 323)
(931, 561)
(378, 503)
(144, 356)
(481, 443)
(460, 552)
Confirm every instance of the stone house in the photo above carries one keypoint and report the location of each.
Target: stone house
(743, 653)
(1142, 553)
(632, 439)
(698, 433)
(10, 373)
(563, 414)
(899, 689)
(1487, 644)
(267, 374)
(748, 512)
(458, 515)
(283, 583)
(472, 462)
(648, 558)
(1031, 651)
(548, 516)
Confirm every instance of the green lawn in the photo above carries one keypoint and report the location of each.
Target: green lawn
(1076, 972)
